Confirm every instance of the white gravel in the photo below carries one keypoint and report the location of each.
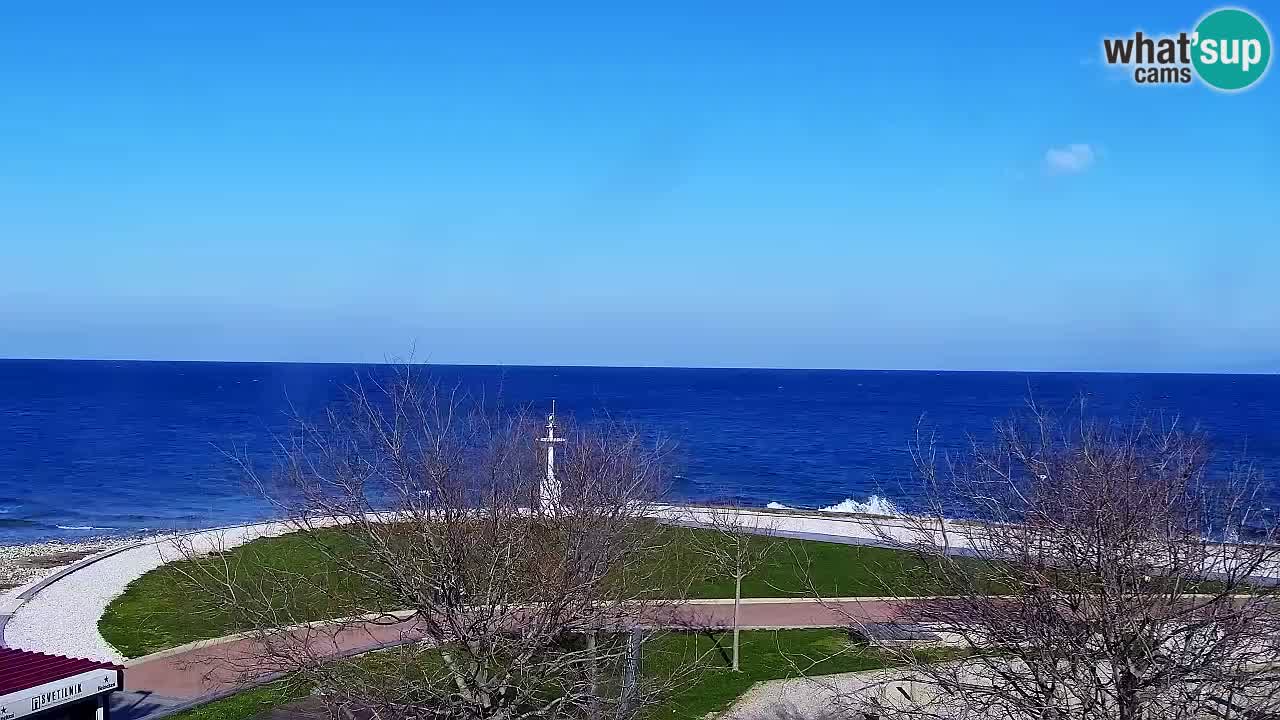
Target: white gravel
(829, 697)
(63, 618)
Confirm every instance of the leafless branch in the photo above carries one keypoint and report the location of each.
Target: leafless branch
(421, 532)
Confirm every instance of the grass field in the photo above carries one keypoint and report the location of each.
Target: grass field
(242, 705)
(766, 655)
(156, 611)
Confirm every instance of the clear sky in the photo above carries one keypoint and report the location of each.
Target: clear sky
(913, 185)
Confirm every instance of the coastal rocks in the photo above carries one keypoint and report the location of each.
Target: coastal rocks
(23, 564)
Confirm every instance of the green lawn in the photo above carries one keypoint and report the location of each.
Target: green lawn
(157, 611)
(836, 570)
(243, 705)
(766, 655)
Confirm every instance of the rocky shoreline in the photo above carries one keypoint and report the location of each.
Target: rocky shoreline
(23, 564)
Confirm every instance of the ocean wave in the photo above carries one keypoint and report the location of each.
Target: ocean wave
(83, 527)
(874, 505)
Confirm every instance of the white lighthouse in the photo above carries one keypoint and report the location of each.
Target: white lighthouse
(549, 492)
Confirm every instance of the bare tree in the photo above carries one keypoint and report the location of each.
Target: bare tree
(418, 502)
(734, 544)
(1100, 570)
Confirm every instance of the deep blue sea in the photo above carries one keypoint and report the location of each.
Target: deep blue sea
(101, 448)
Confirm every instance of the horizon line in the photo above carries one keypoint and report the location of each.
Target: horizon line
(641, 367)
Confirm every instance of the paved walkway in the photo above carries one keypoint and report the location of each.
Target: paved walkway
(219, 666)
(60, 613)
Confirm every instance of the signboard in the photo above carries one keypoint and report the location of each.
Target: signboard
(59, 692)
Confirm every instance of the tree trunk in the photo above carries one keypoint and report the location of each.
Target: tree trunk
(631, 672)
(593, 670)
(737, 601)
(1128, 706)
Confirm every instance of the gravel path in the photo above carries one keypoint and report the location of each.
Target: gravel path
(829, 697)
(63, 617)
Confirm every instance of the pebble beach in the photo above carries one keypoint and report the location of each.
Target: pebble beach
(23, 564)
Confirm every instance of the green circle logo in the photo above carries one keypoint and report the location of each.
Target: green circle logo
(1232, 49)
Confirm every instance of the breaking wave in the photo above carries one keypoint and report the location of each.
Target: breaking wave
(874, 505)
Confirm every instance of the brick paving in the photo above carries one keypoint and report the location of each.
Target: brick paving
(224, 666)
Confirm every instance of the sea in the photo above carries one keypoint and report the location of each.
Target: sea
(106, 448)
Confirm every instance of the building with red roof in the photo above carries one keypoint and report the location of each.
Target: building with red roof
(55, 687)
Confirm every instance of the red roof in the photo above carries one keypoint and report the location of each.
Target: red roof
(22, 669)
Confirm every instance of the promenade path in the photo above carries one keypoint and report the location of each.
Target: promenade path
(60, 613)
(214, 667)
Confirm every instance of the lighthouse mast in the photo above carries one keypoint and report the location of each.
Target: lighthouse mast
(549, 492)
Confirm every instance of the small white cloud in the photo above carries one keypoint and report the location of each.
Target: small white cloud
(1074, 158)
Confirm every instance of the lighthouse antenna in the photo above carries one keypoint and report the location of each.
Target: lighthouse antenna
(550, 491)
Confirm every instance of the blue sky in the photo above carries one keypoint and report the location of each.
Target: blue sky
(924, 185)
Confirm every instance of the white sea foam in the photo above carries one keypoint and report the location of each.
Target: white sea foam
(874, 505)
(83, 527)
